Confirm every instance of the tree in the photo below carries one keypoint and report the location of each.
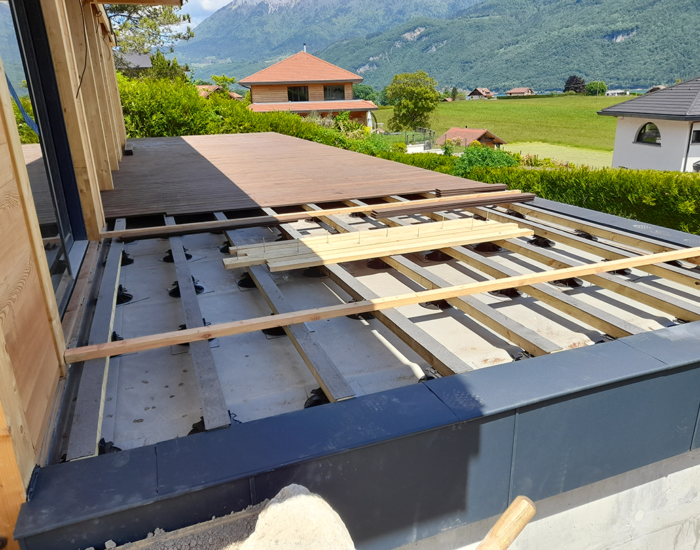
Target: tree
(141, 29)
(596, 88)
(364, 91)
(414, 98)
(165, 69)
(454, 94)
(575, 84)
(381, 98)
(223, 81)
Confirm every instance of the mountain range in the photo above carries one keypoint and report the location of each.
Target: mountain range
(497, 44)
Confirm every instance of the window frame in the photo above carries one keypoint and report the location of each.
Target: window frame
(637, 137)
(337, 87)
(296, 89)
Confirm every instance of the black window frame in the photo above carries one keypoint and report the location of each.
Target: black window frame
(297, 93)
(695, 136)
(643, 131)
(337, 88)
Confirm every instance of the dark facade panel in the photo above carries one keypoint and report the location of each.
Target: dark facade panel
(412, 488)
(574, 441)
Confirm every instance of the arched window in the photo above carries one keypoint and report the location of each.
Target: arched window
(649, 133)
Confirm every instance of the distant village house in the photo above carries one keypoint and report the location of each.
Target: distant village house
(617, 93)
(659, 130)
(303, 84)
(466, 136)
(481, 93)
(520, 92)
(206, 90)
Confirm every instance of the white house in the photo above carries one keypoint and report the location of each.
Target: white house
(659, 130)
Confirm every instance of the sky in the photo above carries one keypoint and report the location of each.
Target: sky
(199, 10)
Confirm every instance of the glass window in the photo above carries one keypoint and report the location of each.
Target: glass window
(649, 134)
(298, 93)
(334, 93)
(696, 136)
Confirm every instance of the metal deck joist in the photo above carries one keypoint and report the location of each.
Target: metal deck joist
(320, 364)
(214, 410)
(87, 419)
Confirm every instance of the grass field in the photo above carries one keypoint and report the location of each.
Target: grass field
(594, 158)
(568, 120)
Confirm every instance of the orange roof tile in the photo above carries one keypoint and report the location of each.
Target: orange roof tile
(301, 68)
(319, 106)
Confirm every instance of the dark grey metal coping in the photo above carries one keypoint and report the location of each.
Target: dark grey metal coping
(408, 463)
(678, 102)
(634, 227)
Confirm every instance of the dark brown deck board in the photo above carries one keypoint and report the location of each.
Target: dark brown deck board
(195, 174)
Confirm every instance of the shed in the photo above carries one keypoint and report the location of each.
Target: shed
(468, 135)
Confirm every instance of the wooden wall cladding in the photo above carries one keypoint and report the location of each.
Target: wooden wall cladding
(31, 338)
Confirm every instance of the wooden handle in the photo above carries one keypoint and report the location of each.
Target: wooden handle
(509, 525)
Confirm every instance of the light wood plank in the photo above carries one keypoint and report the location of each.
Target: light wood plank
(315, 314)
(433, 352)
(501, 324)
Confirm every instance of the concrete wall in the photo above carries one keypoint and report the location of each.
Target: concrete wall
(670, 155)
(654, 507)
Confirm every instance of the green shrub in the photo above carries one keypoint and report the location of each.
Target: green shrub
(26, 134)
(668, 199)
(482, 156)
(429, 161)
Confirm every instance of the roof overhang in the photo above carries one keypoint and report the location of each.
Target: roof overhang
(319, 106)
(681, 118)
(299, 82)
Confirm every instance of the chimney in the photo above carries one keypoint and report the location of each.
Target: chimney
(304, 47)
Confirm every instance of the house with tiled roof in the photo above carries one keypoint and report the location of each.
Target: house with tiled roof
(303, 84)
(515, 92)
(205, 90)
(659, 130)
(481, 93)
(466, 136)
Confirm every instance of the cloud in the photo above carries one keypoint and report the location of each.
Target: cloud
(199, 10)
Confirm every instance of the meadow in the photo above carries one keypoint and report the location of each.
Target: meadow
(566, 120)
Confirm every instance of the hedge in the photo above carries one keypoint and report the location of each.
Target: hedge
(668, 199)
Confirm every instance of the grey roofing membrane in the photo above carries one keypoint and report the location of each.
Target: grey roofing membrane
(679, 102)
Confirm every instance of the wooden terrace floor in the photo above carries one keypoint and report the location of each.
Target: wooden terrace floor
(197, 174)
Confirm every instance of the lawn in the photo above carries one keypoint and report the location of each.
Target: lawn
(595, 158)
(567, 120)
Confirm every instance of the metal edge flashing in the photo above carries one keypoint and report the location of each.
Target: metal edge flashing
(380, 443)
(635, 227)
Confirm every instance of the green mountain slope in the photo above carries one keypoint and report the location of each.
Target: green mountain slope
(501, 44)
(243, 36)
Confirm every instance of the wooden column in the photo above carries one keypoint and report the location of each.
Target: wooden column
(67, 76)
(94, 35)
(79, 17)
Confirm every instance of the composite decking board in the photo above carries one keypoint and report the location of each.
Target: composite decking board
(197, 174)
(319, 362)
(87, 418)
(211, 396)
